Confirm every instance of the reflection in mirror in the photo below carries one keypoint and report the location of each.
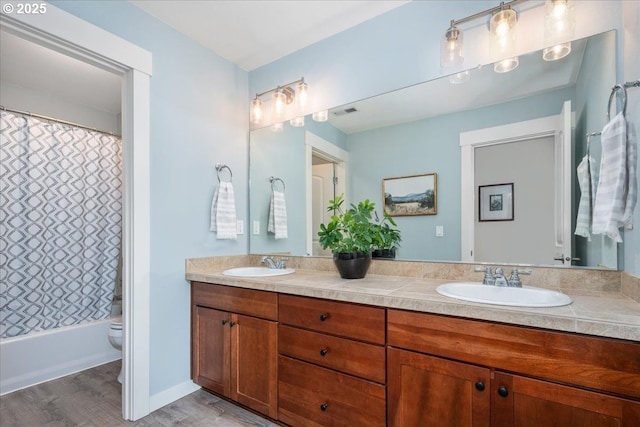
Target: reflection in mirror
(419, 130)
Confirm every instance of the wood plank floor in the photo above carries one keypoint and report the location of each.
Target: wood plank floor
(93, 398)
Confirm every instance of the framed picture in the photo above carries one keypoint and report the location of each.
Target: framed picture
(410, 195)
(496, 202)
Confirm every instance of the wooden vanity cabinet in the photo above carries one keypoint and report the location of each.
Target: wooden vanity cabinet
(529, 377)
(234, 344)
(332, 363)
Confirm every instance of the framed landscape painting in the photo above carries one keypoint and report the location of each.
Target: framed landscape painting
(410, 195)
(496, 202)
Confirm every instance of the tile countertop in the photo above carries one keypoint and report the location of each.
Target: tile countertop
(600, 313)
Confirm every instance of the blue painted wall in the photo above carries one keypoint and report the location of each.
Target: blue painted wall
(198, 118)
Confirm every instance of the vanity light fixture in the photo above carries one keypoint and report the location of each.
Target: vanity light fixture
(277, 127)
(559, 28)
(459, 78)
(502, 35)
(297, 122)
(502, 28)
(451, 48)
(283, 97)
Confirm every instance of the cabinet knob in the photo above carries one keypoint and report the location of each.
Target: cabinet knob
(324, 407)
(502, 391)
(324, 316)
(480, 386)
(232, 324)
(224, 322)
(323, 352)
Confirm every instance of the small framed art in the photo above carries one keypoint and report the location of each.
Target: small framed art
(496, 202)
(410, 195)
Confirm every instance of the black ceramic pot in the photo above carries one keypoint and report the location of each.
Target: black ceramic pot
(384, 253)
(352, 265)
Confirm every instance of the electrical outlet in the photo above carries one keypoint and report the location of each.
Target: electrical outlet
(256, 228)
(240, 226)
(439, 231)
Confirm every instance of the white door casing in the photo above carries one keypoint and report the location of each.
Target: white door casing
(559, 127)
(72, 36)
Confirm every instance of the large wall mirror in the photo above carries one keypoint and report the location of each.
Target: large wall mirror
(427, 128)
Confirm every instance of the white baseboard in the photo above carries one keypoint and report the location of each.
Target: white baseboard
(172, 394)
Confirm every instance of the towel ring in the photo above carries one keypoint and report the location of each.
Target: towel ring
(273, 183)
(624, 100)
(220, 167)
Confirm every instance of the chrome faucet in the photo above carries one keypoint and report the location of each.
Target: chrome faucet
(499, 279)
(272, 263)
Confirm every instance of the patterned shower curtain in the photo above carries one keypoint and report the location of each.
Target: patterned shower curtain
(60, 224)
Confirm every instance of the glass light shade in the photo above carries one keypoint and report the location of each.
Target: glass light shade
(506, 65)
(459, 78)
(320, 116)
(256, 111)
(451, 49)
(559, 28)
(302, 97)
(277, 127)
(556, 52)
(279, 103)
(503, 34)
(297, 122)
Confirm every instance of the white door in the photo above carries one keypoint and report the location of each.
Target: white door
(559, 128)
(323, 191)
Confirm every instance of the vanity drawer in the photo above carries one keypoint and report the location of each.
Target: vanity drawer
(311, 396)
(347, 320)
(351, 357)
(236, 300)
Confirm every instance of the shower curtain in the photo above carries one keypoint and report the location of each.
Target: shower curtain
(60, 224)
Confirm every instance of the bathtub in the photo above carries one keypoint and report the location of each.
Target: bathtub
(42, 356)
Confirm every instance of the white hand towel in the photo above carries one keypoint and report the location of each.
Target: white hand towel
(278, 216)
(223, 212)
(612, 187)
(632, 165)
(586, 181)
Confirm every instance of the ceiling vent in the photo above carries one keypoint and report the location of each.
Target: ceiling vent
(349, 110)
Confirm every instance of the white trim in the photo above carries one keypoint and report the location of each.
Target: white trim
(172, 394)
(68, 34)
(471, 140)
(315, 143)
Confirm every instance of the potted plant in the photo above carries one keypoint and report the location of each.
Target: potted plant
(387, 238)
(350, 236)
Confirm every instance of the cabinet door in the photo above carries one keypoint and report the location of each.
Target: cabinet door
(525, 402)
(254, 363)
(211, 350)
(425, 391)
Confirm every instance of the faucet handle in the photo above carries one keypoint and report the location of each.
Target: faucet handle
(489, 278)
(514, 280)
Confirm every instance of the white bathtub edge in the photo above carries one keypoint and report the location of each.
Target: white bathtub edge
(39, 358)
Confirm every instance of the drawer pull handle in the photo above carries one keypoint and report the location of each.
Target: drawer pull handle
(323, 352)
(224, 322)
(232, 324)
(502, 391)
(480, 386)
(324, 407)
(324, 316)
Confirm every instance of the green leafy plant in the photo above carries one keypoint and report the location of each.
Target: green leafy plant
(387, 235)
(350, 230)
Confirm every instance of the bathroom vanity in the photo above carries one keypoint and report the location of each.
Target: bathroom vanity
(310, 349)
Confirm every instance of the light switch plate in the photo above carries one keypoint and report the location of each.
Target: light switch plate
(239, 226)
(439, 231)
(256, 228)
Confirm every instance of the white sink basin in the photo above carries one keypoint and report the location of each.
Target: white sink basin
(257, 272)
(526, 296)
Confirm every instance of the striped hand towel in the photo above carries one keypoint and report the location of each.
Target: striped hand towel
(223, 212)
(278, 216)
(612, 187)
(586, 181)
(632, 188)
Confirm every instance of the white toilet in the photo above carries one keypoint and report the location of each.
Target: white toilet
(115, 337)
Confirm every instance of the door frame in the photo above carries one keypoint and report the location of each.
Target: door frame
(551, 126)
(314, 144)
(67, 34)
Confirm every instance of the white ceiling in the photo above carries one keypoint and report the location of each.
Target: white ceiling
(252, 33)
